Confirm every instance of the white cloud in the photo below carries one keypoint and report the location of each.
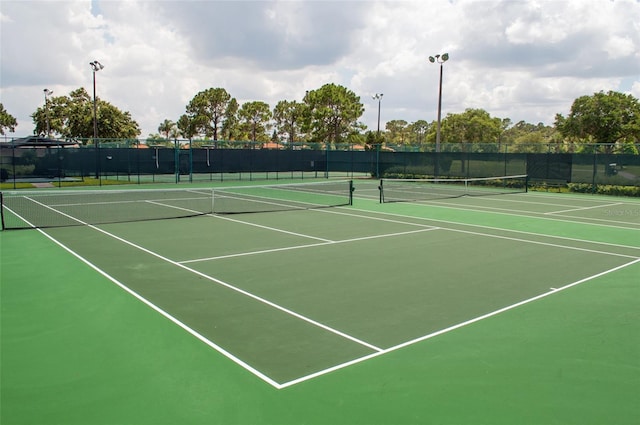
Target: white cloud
(4, 18)
(526, 60)
(619, 47)
(635, 90)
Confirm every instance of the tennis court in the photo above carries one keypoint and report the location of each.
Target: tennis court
(328, 306)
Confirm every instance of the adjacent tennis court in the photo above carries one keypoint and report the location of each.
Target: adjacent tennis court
(327, 306)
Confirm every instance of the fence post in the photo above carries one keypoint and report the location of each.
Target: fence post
(98, 173)
(378, 146)
(326, 171)
(190, 162)
(595, 170)
(176, 160)
(506, 156)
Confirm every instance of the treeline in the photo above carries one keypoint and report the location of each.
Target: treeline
(331, 115)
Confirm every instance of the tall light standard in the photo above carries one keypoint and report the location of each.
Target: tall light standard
(378, 97)
(47, 93)
(95, 67)
(441, 59)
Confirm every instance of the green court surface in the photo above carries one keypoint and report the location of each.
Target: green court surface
(501, 309)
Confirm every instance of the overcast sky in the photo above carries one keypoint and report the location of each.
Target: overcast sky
(524, 60)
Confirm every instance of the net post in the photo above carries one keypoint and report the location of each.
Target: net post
(526, 183)
(2, 210)
(381, 193)
(351, 189)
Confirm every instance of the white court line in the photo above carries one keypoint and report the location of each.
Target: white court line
(288, 248)
(452, 328)
(543, 243)
(249, 223)
(425, 227)
(269, 228)
(531, 214)
(510, 199)
(582, 197)
(605, 222)
(584, 208)
(492, 228)
(512, 211)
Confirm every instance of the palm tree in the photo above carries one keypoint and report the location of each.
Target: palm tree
(166, 128)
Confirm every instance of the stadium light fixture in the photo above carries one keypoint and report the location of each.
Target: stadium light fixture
(441, 59)
(47, 93)
(378, 97)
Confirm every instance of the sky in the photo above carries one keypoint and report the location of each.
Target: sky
(524, 60)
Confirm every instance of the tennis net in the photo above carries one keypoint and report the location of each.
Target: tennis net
(407, 190)
(60, 208)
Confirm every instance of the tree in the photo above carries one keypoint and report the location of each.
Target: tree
(332, 113)
(611, 119)
(187, 126)
(526, 137)
(472, 126)
(7, 121)
(72, 117)
(168, 128)
(397, 130)
(530, 142)
(230, 128)
(255, 116)
(418, 130)
(373, 140)
(207, 109)
(115, 124)
(288, 116)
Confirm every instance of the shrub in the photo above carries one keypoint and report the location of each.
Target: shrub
(605, 189)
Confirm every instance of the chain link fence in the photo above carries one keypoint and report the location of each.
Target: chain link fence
(179, 161)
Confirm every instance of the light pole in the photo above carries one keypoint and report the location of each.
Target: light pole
(95, 67)
(47, 93)
(441, 59)
(378, 97)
